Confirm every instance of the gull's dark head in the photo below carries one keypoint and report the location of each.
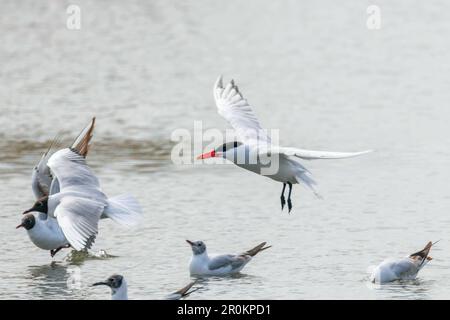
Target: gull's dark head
(114, 282)
(198, 247)
(28, 222)
(41, 205)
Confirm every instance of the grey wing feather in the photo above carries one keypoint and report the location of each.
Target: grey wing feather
(226, 260)
(41, 178)
(78, 219)
(54, 187)
(404, 267)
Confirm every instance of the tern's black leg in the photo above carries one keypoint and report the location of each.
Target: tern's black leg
(289, 197)
(283, 201)
(55, 251)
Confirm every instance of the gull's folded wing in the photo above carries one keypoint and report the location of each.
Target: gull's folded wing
(404, 267)
(226, 260)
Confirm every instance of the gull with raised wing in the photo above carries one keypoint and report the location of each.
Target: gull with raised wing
(203, 265)
(405, 268)
(255, 152)
(119, 288)
(76, 201)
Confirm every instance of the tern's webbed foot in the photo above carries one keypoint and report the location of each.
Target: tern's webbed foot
(283, 202)
(289, 205)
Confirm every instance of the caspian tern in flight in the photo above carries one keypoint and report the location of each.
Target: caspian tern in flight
(119, 289)
(69, 214)
(402, 269)
(254, 143)
(203, 265)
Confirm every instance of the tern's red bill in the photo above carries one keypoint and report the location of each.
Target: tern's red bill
(207, 155)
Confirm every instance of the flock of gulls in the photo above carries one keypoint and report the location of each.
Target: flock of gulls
(69, 202)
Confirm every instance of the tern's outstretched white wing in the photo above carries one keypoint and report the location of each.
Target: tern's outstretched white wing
(78, 219)
(232, 106)
(312, 155)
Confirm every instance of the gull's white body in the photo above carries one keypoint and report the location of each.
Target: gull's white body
(235, 109)
(120, 293)
(400, 269)
(203, 265)
(46, 233)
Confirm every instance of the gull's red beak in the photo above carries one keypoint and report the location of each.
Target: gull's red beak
(190, 242)
(207, 155)
(19, 226)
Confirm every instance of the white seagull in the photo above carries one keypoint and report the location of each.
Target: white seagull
(255, 151)
(69, 214)
(405, 268)
(203, 265)
(119, 288)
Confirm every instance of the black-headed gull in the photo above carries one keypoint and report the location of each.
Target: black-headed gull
(77, 202)
(255, 151)
(203, 265)
(405, 268)
(118, 285)
(119, 288)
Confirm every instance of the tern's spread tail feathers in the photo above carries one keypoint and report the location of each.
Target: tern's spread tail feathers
(253, 252)
(124, 209)
(81, 143)
(305, 178)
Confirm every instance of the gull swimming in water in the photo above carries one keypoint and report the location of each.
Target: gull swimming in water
(255, 152)
(405, 268)
(69, 214)
(203, 265)
(119, 288)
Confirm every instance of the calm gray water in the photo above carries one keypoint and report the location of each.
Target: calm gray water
(312, 70)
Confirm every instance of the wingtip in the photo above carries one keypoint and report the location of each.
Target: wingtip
(219, 82)
(185, 290)
(82, 142)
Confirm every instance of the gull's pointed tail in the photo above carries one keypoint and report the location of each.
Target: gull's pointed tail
(306, 179)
